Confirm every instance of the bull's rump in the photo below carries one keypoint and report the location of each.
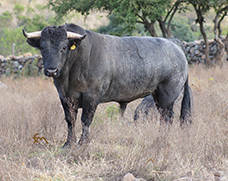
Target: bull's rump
(139, 65)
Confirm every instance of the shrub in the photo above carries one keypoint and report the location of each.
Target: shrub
(31, 20)
(182, 30)
(112, 111)
(10, 36)
(6, 19)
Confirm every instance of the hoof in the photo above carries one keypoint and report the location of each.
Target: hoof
(68, 144)
(83, 142)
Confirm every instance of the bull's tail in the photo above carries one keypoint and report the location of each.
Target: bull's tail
(186, 106)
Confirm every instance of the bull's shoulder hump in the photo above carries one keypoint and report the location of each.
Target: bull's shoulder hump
(148, 41)
(147, 45)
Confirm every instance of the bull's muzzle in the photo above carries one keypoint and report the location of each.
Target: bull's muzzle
(51, 72)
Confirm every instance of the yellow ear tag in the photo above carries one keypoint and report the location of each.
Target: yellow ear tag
(72, 47)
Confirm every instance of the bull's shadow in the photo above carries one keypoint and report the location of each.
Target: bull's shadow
(147, 109)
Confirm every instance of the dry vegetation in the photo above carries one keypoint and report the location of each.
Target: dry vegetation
(146, 149)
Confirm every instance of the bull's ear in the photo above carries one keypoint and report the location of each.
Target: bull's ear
(74, 43)
(34, 42)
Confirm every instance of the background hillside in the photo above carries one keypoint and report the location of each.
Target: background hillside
(32, 15)
(93, 21)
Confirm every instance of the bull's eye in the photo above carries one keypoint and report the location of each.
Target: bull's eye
(64, 48)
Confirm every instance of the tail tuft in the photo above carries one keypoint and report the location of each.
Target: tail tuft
(186, 106)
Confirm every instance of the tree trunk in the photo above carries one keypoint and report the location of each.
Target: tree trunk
(221, 55)
(150, 28)
(162, 27)
(208, 60)
(200, 20)
(165, 32)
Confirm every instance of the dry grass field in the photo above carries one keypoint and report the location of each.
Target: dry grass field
(148, 149)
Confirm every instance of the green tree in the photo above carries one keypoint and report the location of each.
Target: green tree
(118, 29)
(126, 12)
(181, 29)
(28, 18)
(201, 8)
(220, 8)
(6, 19)
(11, 36)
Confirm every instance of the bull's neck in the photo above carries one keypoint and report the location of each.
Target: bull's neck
(73, 75)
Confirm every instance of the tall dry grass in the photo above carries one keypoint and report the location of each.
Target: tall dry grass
(147, 149)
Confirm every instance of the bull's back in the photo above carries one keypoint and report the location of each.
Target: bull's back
(138, 65)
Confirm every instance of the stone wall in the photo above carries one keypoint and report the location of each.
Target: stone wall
(196, 50)
(26, 64)
(32, 65)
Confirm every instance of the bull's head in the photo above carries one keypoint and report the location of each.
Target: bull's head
(55, 44)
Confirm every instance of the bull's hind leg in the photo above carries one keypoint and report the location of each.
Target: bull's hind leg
(144, 107)
(164, 102)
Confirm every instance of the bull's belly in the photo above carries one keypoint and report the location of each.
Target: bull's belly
(126, 94)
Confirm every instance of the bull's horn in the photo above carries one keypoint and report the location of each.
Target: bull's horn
(75, 35)
(36, 34)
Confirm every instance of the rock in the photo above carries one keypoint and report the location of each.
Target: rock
(192, 50)
(1, 69)
(197, 52)
(40, 63)
(203, 57)
(221, 175)
(196, 47)
(2, 58)
(190, 174)
(210, 41)
(15, 64)
(129, 177)
(27, 54)
(139, 179)
(22, 61)
(8, 71)
(17, 58)
(20, 67)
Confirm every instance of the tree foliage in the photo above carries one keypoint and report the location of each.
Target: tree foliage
(27, 18)
(220, 7)
(181, 29)
(201, 8)
(6, 19)
(126, 12)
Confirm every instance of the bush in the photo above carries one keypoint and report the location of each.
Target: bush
(112, 111)
(30, 20)
(10, 36)
(118, 29)
(6, 19)
(182, 30)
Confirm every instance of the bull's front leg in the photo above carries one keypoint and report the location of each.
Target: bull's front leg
(89, 107)
(70, 110)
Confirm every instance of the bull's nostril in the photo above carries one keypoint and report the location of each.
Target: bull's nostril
(52, 72)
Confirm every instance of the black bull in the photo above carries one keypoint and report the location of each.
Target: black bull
(89, 68)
